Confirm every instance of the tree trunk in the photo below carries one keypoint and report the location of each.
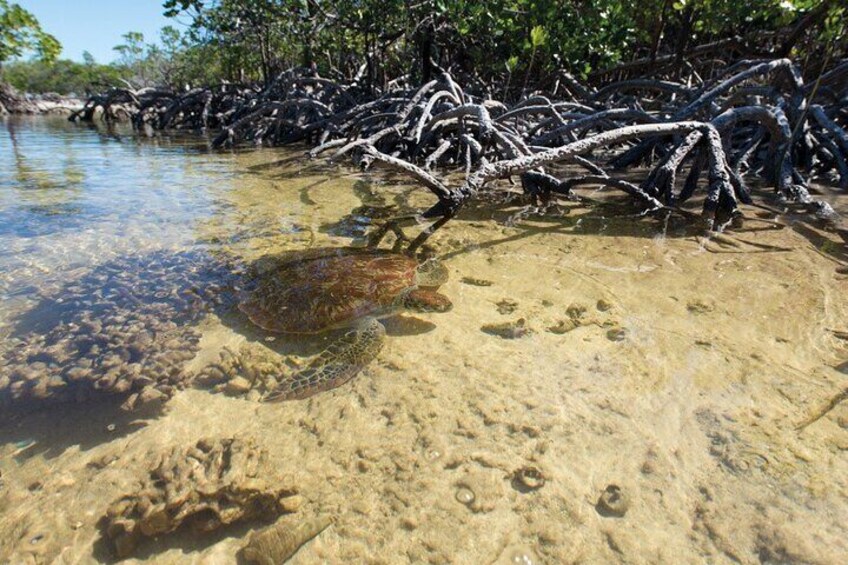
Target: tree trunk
(424, 41)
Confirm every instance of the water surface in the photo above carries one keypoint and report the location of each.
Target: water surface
(696, 376)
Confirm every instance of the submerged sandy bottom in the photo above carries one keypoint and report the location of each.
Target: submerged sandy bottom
(692, 387)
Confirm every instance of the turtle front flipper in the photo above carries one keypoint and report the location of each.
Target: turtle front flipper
(336, 365)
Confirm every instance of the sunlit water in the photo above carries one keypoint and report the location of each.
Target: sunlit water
(605, 389)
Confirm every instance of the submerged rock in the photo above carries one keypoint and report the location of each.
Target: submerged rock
(508, 330)
(238, 385)
(617, 333)
(480, 490)
(277, 543)
(528, 479)
(464, 496)
(473, 281)
(211, 484)
(700, 306)
(563, 326)
(124, 328)
(518, 554)
(251, 368)
(507, 306)
(604, 305)
(613, 502)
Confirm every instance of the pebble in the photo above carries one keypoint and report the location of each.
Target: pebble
(528, 478)
(616, 334)
(517, 555)
(604, 305)
(291, 503)
(150, 395)
(508, 330)
(613, 502)
(563, 326)
(464, 496)
(101, 462)
(476, 282)
(699, 306)
(237, 385)
(507, 306)
(576, 311)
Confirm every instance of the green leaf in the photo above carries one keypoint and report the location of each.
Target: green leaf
(538, 37)
(21, 32)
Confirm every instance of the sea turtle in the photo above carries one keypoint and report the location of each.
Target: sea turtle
(317, 290)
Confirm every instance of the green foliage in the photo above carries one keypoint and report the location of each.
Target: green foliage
(250, 36)
(835, 29)
(61, 76)
(132, 49)
(256, 38)
(378, 40)
(140, 63)
(20, 32)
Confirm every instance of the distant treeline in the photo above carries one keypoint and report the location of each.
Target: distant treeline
(62, 76)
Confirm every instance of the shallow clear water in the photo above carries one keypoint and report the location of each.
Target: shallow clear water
(700, 380)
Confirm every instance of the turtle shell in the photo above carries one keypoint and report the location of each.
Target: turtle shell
(319, 289)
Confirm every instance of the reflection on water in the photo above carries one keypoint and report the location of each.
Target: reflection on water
(605, 389)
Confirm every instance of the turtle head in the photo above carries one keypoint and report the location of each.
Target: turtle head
(431, 274)
(423, 300)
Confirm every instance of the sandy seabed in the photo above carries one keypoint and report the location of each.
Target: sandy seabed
(697, 385)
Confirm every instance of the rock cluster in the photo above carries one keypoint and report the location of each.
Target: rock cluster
(253, 370)
(124, 328)
(204, 487)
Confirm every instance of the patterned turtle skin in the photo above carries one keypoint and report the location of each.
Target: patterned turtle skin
(317, 290)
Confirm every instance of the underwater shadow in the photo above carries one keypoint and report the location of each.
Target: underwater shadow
(374, 208)
(120, 334)
(296, 159)
(183, 539)
(47, 430)
(615, 217)
(814, 232)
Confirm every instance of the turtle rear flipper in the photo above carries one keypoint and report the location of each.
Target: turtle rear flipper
(336, 365)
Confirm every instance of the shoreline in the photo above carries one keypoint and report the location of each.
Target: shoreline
(13, 102)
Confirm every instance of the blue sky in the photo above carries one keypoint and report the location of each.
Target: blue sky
(97, 25)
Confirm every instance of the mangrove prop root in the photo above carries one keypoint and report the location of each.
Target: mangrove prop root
(750, 118)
